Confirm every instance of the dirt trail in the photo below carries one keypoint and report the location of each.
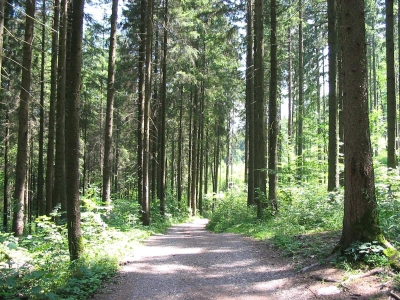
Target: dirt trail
(189, 262)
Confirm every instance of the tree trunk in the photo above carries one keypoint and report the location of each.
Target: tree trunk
(193, 169)
(59, 195)
(301, 97)
(22, 152)
(6, 186)
(40, 180)
(360, 221)
(141, 95)
(259, 106)
(333, 169)
(391, 88)
(146, 115)
(180, 145)
(52, 111)
(108, 128)
(72, 152)
(273, 114)
(162, 156)
(250, 104)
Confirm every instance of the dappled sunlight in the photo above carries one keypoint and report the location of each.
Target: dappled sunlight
(191, 263)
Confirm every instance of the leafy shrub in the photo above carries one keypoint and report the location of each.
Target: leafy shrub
(368, 253)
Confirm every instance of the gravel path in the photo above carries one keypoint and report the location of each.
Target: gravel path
(189, 262)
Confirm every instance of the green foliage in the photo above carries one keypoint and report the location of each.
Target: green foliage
(306, 213)
(37, 266)
(358, 253)
(231, 211)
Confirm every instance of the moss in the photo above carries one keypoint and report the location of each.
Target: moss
(392, 254)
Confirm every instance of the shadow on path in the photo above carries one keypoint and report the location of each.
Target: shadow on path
(189, 262)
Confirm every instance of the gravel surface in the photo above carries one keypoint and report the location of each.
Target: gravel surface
(189, 262)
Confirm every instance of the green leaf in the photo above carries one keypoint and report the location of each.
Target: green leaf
(12, 246)
(36, 290)
(51, 296)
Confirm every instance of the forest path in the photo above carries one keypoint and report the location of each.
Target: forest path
(191, 263)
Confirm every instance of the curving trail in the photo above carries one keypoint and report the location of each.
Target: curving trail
(190, 262)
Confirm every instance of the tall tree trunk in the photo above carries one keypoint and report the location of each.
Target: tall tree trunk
(141, 95)
(72, 152)
(59, 195)
(259, 106)
(333, 169)
(391, 87)
(180, 145)
(193, 177)
(6, 136)
(273, 114)
(52, 111)
(5, 183)
(290, 84)
(40, 180)
(360, 221)
(250, 104)
(108, 128)
(22, 152)
(300, 97)
(162, 159)
(201, 150)
(146, 115)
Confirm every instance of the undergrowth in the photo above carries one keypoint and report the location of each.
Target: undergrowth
(303, 211)
(309, 221)
(37, 266)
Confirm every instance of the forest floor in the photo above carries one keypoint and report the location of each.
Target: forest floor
(191, 263)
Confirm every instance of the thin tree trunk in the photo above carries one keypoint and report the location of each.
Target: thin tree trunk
(193, 177)
(273, 114)
(163, 132)
(6, 186)
(259, 106)
(250, 104)
(59, 195)
(391, 87)
(22, 152)
(300, 97)
(333, 169)
(146, 114)
(40, 181)
(141, 95)
(180, 145)
(108, 128)
(52, 111)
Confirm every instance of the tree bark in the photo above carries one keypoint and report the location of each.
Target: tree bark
(162, 159)
(250, 104)
(6, 179)
(260, 164)
(360, 222)
(273, 114)
(146, 115)
(300, 97)
(52, 111)
(22, 152)
(40, 171)
(391, 88)
(72, 138)
(59, 194)
(108, 128)
(333, 169)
